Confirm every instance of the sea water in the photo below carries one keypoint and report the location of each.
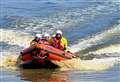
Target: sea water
(92, 28)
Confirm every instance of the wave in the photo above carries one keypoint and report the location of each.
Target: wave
(95, 40)
(15, 37)
(8, 59)
(12, 43)
(108, 49)
(95, 64)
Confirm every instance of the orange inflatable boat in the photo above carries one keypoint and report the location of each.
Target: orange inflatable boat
(41, 56)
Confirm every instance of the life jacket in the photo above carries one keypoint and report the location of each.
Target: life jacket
(63, 42)
(58, 44)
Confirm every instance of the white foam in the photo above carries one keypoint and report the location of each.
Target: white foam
(8, 59)
(109, 49)
(15, 38)
(95, 64)
(88, 42)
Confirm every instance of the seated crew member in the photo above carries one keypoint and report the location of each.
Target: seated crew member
(45, 39)
(37, 39)
(59, 41)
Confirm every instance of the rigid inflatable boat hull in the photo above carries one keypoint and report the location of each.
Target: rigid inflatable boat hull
(41, 56)
(34, 64)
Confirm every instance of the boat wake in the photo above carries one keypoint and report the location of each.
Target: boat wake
(87, 65)
(99, 62)
(97, 39)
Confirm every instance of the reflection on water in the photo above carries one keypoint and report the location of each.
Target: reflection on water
(44, 75)
(56, 75)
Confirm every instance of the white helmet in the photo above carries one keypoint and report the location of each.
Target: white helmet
(38, 36)
(53, 35)
(59, 32)
(46, 35)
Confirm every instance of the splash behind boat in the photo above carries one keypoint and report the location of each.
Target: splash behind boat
(41, 56)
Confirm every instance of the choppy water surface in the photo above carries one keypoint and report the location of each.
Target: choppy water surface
(92, 27)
